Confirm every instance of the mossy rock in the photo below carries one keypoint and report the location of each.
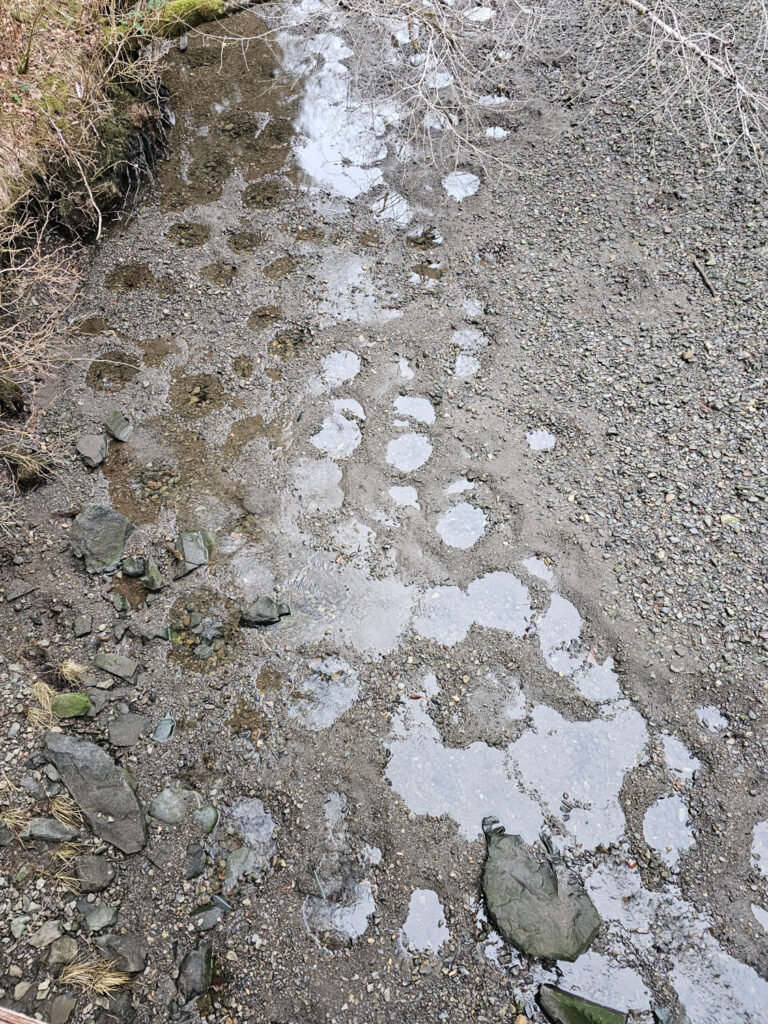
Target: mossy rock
(71, 705)
(175, 17)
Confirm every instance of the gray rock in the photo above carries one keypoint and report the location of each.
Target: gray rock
(6, 836)
(116, 665)
(206, 917)
(97, 915)
(133, 565)
(536, 905)
(46, 934)
(118, 427)
(165, 728)
(82, 625)
(93, 873)
(566, 1008)
(152, 578)
(152, 632)
(264, 611)
(196, 548)
(17, 589)
(128, 951)
(173, 805)
(103, 792)
(18, 924)
(98, 535)
(61, 1009)
(51, 830)
(195, 862)
(62, 951)
(127, 730)
(196, 971)
(243, 863)
(33, 787)
(92, 449)
(207, 818)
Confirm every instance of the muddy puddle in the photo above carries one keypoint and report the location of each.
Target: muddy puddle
(431, 671)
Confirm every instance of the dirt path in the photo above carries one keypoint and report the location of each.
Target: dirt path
(503, 456)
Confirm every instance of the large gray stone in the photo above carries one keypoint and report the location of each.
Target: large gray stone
(128, 952)
(118, 426)
(126, 730)
(46, 934)
(195, 548)
(98, 536)
(116, 665)
(196, 971)
(103, 792)
(93, 873)
(264, 611)
(51, 830)
(97, 915)
(566, 1008)
(174, 805)
(92, 449)
(537, 905)
(61, 1009)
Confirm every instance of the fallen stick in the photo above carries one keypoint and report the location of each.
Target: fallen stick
(704, 277)
(11, 1017)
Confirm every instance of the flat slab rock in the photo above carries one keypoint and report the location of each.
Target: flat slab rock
(103, 792)
(98, 535)
(538, 906)
(567, 1008)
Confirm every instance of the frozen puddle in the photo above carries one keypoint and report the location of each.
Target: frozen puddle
(497, 601)
(540, 440)
(469, 341)
(338, 436)
(340, 367)
(462, 526)
(419, 409)
(466, 366)
(666, 829)
(425, 927)
(404, 497)
(408, 452)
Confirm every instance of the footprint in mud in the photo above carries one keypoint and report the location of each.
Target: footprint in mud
(157, 350)
(424, 238)
(195, 395)
(280, 267)
(264, 317)
(129, 277)
(265, 194)
(243, 367)
(220, 274)
(311, 233)
(289, 343)
(90, 326)
(112, 370)
(426, 273)
(278, 433)
(245, 241)
(188, 235)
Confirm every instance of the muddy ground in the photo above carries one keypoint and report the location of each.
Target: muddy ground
(503, 453)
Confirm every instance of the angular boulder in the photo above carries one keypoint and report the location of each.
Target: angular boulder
(537, 905)
(103, 792)
(567, 1008)
(264, 611)
(98, 536)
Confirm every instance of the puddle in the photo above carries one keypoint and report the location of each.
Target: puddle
(195, 395)
(392, 207)
(404, 497)
(426, 273)
(460, 486)
(408, 452)
(419, 409)
(248, 720)
(461, 526)
(112, 371)
(157, 350)
(712, 718)
(666, 829)
(317, 484)
(540, 440)
(338, 436)
(90, 326)
(278, 433)
(289, 343)
(538, 567)
(424, 929)
(759, 849)
(405, 370)
(761, 916)
(348, 294)
(496, 132)
(597, 977)
(340, 367)
(188, 236)
(497, 600)
(461, 185)
(559, 635)
(340, 918)
(679, 761)
(320, 697)
(253, 823)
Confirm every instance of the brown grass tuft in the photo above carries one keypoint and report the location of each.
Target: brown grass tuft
(96, 977)
(42, 716)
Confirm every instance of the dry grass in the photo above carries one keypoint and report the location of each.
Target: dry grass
(14, 818)
(71, 672)
(41, 716)
(93, 976)
(65, 810)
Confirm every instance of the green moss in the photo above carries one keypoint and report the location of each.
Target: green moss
(176, 16)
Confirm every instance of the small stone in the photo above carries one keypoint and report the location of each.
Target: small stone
(46, 934)
(50, 830)
(196, 548)
(20, 990)
(98, 535)
(18, 924)
(118, 426)
(127, 730)
(17, 589)
(97, 915)
(196, 971)
(71, 705)
(61, 1008)
(82, 625)
(62, 951)
(195, 862)
(165, 728)
(152, 578)
(92, 449)
(33, 787)
(133, 565)
(117, 665)
(173, 806)
(6, 836)
(93, 873)
(206, 917)
(128, 951)
(207, 818)
(264, 611)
